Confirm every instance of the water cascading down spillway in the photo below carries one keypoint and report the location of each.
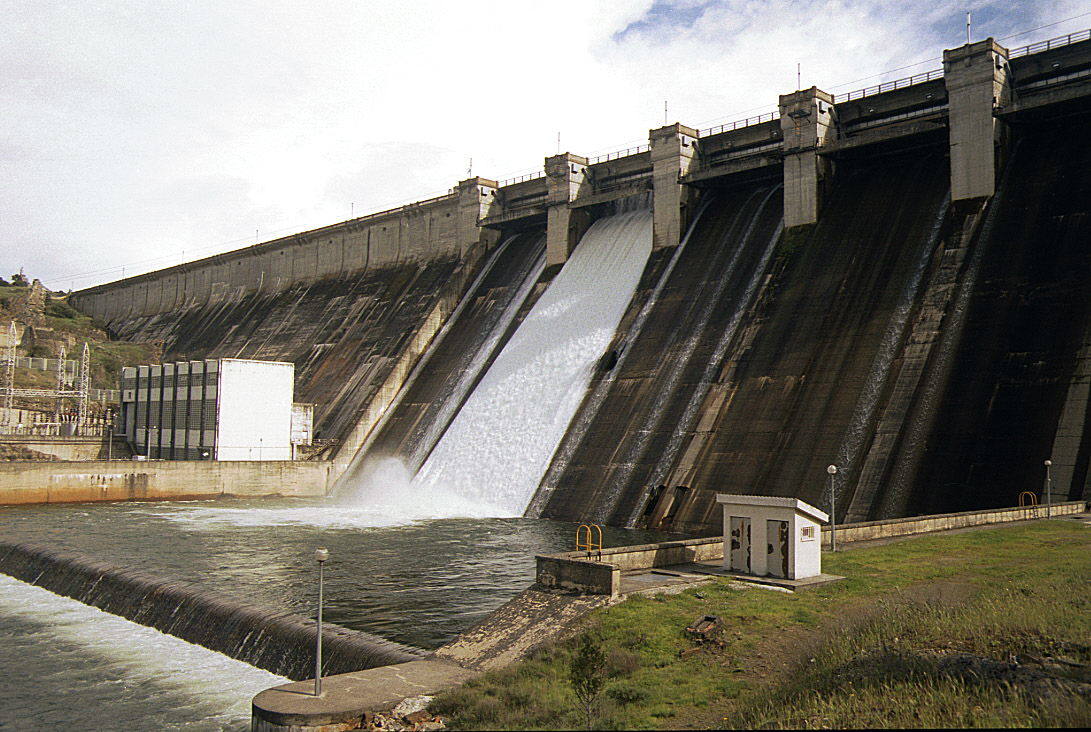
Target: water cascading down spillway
(498, 446)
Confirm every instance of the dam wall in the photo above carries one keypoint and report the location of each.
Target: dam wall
(280, 642)
(439, 228)
(818, 293)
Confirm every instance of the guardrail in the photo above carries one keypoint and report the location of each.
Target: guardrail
(1051, 43)
(739, 124)
(521, 178)
(888, 86)
(618, 154)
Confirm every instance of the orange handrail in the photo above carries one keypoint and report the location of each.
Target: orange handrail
(589, 545)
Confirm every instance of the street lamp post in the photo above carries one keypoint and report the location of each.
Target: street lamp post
(320, 555)
(1049, 489)
(832, 470)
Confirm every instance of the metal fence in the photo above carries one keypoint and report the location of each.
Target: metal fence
(1051, 43)
(739, 124)
(888, 86)
(618, 154)
(521, 178)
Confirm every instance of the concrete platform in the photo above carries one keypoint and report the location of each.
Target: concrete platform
(650, 581)
(346, 697)
(717, 568)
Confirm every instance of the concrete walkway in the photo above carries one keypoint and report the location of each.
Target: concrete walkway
(346, 697)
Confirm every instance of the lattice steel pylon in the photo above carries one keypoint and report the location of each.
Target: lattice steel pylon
(62, 382)
(9, 372)
(85, 384)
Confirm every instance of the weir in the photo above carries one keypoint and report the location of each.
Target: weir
(280, 642)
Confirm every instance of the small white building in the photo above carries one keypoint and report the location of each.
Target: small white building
(769, 536)
(216, 409)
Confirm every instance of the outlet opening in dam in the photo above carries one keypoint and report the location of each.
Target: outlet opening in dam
(613, 341)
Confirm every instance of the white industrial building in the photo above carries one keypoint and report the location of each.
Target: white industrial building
(771, 536)
(216, 409)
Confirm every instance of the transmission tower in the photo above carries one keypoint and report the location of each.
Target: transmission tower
(62, 382)
(85, 384)
(9, 372)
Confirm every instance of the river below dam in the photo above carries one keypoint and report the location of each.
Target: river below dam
(419, 583)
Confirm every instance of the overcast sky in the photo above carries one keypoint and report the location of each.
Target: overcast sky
(138, 135)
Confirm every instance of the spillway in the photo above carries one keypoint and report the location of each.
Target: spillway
(461, 352)
(1017, 388)
(495, 451)
(662, 365)
(787, 397)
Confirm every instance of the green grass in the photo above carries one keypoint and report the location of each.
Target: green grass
(858, 653)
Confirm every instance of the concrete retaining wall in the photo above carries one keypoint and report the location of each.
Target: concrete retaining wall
(128, 480)
(867, 530)
(599, 572)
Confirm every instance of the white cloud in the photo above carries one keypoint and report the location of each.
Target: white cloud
(137, 132)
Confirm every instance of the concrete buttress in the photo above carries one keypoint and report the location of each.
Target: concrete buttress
(977, 82)
(672, 148)
(565, 175)
(807, 122)
(476, 197)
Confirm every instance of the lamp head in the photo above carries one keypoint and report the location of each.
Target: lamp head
(321, 554)
(1048, 463)
(832, 470)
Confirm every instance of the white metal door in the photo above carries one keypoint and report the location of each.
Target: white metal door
(776, 536)
(740, 544)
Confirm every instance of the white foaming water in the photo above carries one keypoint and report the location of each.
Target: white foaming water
(489, 461)
(497, 448)
(80, 665)
(390, 500)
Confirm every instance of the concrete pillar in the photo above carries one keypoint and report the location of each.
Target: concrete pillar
(476, 197)
(976, 76)
(565, 175)
(806, 119)
(672, 148)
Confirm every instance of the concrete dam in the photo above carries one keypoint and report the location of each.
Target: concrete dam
(895, 280)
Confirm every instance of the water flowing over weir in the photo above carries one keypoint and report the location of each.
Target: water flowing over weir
(81, 667)
(280, 642)
(498, 446)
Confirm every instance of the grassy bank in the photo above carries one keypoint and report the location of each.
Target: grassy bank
(983, 628)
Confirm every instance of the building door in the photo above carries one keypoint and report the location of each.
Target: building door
(740, 544)
(776, 534)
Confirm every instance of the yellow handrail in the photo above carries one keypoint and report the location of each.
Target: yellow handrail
(1027, 498)
(589, 544)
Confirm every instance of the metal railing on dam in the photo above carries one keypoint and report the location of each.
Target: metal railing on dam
(276, 641)
(1050, 44)
(739, 124)
(888, 86)
(617, 154)
(520, 178)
